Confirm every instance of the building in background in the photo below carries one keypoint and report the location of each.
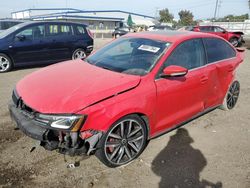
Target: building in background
(95, 19)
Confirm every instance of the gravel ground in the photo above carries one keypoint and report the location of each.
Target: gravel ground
(211, 151)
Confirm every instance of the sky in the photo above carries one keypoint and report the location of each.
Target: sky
(201, 9)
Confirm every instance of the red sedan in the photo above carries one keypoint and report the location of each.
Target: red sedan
(235, 38)
(136, 88)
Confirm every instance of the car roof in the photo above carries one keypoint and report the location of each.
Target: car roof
(53, 22)
(11, 20)
(171, 36)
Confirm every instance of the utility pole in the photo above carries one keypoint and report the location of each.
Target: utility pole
(249, 7)
(216, 7)
(157, 9)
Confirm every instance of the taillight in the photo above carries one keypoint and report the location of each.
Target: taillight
(90, 33)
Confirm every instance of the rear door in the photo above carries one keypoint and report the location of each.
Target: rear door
(180, 98)
(221, 65)
(32, 47)
(83, 38)
(59, 36)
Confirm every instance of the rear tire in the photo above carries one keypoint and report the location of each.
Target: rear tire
(6, 63)
(232, 96)
(124, 141)
(79, 54)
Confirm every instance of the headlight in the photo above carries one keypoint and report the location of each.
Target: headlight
(62, 122)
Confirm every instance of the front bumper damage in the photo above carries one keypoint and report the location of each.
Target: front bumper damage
(66, 142)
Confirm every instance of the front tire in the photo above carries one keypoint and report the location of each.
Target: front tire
(117, 36)
(125, 141)
(5, 63)
(234, 41)
(232, 96)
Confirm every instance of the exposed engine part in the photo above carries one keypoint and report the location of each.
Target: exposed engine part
(74, 138)
(71, 143)
(92, 141)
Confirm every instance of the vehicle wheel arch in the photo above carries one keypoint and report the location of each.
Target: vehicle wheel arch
(84, 49)
(233, 37)
(11, 61)
(99, 147)
(141, 115)
(9, 56)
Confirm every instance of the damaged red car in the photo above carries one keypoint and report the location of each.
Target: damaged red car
(134, 89)
(235, 38)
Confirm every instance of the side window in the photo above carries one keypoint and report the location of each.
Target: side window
(59, 29)
(190, 54)
(207, 29)
(80, 30)
(65, 30)
(218, 49)
(34, 32)
(203, 29)
(53, 29)
(218, 29)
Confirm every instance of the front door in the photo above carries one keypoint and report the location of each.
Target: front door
(29, 45)
(181, 98)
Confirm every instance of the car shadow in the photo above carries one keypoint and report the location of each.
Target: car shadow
(179, 164)
(29, 67)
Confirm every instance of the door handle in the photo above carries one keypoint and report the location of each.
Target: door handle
(204, 79)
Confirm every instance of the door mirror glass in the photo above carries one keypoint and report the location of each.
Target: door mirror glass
(174, 71)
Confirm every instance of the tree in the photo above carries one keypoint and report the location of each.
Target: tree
(130, 21)
(232, 18)
(186, 17)
(166, 16)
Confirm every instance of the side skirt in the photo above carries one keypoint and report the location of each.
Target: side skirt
(185, 122)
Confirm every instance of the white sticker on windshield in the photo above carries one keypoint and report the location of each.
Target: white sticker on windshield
(149, 48)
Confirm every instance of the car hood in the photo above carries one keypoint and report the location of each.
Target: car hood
(72, 86)
(237, 32)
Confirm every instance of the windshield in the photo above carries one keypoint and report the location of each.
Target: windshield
(11, 30)
(129, 55)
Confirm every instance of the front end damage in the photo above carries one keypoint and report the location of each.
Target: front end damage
(69, 141)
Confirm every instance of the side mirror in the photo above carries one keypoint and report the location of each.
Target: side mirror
(21, 37)
(174, 71)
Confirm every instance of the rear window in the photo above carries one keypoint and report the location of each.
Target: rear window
(80, 30)
(218, 50)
